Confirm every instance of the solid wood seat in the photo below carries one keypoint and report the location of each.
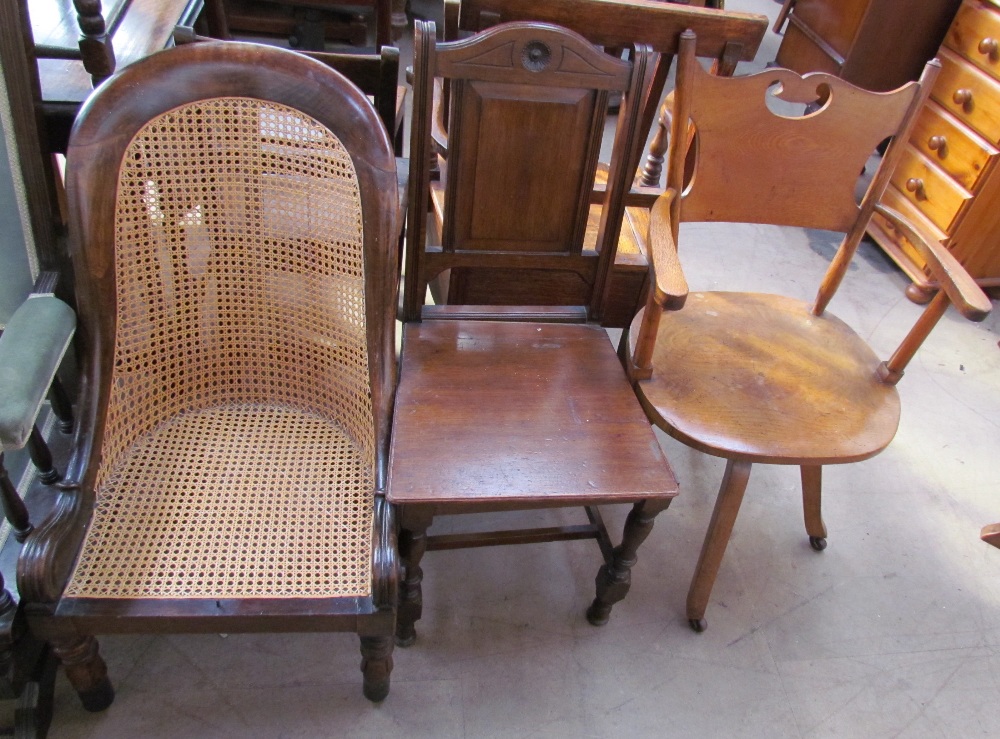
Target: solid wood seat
(764, 378)
(518, 413)
(750, 361)
(518, 406)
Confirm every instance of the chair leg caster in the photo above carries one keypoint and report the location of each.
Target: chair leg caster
(99, 697)
(818, 543)
(598, 614)
(698, 624)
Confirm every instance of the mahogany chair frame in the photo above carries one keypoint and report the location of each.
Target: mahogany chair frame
(107, 124)
(469, 432)
(821, 395)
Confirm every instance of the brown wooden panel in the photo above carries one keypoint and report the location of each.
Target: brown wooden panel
(621, 23)
(836, 22)
(506, 176)
(803, 53)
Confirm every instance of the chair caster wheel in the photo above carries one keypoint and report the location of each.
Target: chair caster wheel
(698, 624)
(818, 543)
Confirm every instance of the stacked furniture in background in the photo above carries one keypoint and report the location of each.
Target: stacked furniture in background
(948, 179)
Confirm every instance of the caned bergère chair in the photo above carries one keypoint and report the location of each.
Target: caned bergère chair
(518, 407)
(723, 37)
(233, 220)
(765, 378)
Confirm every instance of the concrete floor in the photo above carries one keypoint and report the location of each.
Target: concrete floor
(894, 630)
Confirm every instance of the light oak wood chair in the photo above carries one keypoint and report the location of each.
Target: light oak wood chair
(233, 215)
(518, 407)
(765, 378)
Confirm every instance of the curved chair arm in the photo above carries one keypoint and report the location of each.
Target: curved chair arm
(962, 290)
(991, 534)
(956, 287)
(669, 286)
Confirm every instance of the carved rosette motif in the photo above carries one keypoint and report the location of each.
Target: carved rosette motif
(535, 56)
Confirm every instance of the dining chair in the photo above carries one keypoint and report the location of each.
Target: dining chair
(518, 407)
(759, 378)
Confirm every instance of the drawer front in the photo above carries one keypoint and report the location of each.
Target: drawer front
(975, 34)
(969, 94)
(933, 192)
(951, 146)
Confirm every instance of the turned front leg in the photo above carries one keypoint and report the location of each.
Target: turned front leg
(376, 666)
(412, 545)
(615, 577)
(86, 670)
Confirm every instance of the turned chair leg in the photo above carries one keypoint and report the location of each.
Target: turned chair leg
(376, 666)
(86, 671)
(812, 485)
(412, 545)
(61, 405)
(615, 577)
(727, 505)
(41, 457)
(14, 509)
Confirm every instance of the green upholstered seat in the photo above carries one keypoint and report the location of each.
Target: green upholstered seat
(31, 348)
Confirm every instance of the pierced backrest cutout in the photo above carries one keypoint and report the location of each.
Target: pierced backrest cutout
(780, 169)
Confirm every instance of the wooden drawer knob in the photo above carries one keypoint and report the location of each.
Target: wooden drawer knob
(916, 186)
(938, 144)
(963, 97)
(989, 47)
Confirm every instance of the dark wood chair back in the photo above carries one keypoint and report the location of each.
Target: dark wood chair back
(528, 107)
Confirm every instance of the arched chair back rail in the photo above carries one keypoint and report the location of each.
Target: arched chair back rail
(520, 406)
(764, 378)
(724, 37)
(233, 213)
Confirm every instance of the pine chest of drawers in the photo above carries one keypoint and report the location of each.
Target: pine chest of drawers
(948, 180)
